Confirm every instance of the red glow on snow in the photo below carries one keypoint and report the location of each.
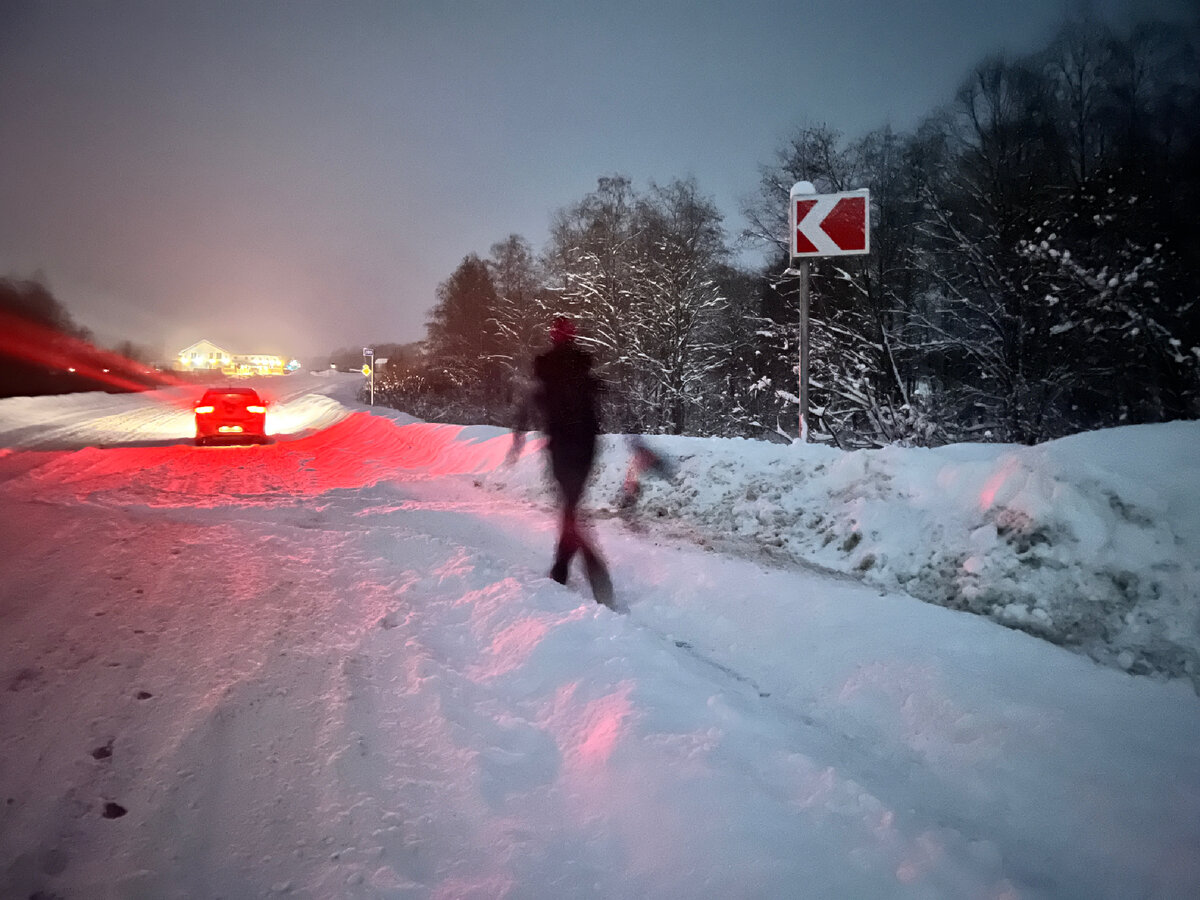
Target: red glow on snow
(588, 733)
(609, 715)
(988, 495)
(31, 342)
(513, 646)
(358, 451)
(995, 481)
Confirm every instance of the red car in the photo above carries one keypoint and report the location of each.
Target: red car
(235, 414)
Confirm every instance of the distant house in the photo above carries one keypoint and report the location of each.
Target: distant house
(206, 356)
(258, 364)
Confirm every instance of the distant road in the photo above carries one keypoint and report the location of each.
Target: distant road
(298, 403)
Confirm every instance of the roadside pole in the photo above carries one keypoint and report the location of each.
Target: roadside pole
(369, 369)
(804, 350)
(821, 225)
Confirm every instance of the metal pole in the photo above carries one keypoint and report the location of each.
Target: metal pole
(372, 381)
(803, 351)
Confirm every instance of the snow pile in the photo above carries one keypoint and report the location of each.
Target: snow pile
(1091, 541)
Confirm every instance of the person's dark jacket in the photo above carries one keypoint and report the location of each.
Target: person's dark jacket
(564, 402)
(565, 394)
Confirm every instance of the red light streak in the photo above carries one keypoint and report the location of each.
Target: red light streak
(34, 343)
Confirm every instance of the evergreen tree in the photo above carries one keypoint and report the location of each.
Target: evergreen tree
(463, 343)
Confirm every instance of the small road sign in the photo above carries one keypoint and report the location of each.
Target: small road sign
(366, 370)
(830, 224)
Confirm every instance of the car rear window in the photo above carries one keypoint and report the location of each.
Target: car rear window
(240, 398)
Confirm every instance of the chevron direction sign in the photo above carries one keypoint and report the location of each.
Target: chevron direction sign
(829, 224)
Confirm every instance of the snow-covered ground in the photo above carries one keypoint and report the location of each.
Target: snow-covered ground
(333, 666)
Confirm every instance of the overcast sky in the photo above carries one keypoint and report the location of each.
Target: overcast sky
(293, 177)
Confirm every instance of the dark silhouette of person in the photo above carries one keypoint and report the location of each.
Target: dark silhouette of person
(564, 398)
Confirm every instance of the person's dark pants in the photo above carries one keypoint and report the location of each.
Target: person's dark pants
(571, 463)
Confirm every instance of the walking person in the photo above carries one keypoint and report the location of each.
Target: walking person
(564, 397)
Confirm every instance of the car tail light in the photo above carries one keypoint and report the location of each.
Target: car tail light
(256, 409)
(200, 410)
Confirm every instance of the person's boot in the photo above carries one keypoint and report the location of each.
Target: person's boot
(598, 578)
(559, 571)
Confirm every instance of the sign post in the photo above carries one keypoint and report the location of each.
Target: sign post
(369, 370)
(822, 225)
(804, 350)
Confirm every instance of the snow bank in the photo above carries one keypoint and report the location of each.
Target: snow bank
(1091, 541)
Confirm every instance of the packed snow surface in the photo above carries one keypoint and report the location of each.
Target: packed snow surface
(333, 666)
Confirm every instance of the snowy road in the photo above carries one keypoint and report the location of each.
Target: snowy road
(333, 667)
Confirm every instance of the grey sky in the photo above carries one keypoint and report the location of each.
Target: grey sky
(294, 177)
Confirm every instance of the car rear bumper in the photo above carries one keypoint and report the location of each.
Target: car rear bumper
(242, 429)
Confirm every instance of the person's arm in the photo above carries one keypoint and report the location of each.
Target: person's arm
(520, 426)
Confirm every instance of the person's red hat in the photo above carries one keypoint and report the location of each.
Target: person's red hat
(562, 329)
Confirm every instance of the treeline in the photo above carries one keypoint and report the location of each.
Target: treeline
(351, 359)
(1033, 273)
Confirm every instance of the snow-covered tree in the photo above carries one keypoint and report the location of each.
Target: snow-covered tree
(1129, 346)
(590, 259)
(675, 302)
(639, 270)
(1053, 244)
(520, 317)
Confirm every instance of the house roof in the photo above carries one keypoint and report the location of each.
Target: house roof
(203, 345)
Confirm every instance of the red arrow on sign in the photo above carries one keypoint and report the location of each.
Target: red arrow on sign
(847, 224)
(830, 224)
